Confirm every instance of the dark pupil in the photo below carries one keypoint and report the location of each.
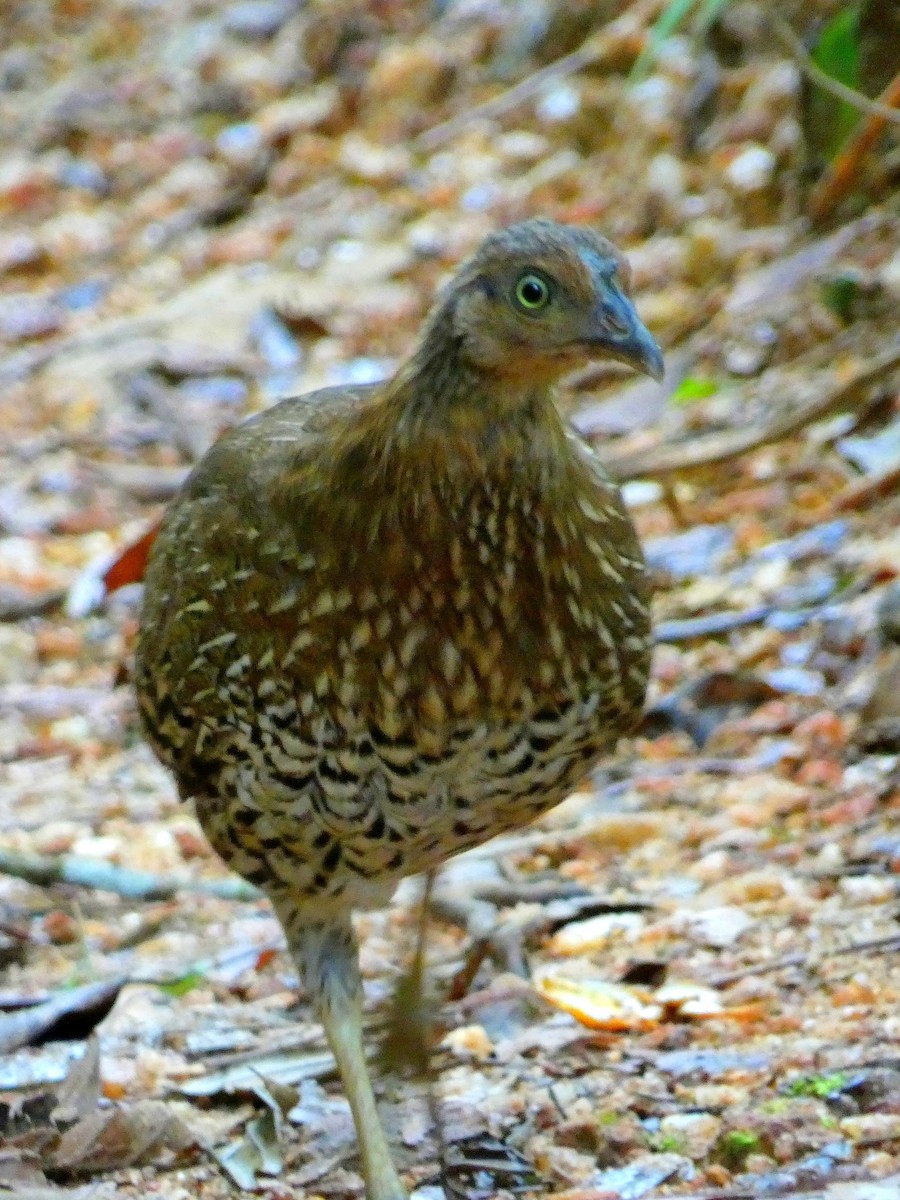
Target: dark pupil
(532, 291)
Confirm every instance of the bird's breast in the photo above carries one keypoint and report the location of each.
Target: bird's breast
(498, 605)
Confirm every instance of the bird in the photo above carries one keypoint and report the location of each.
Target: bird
(384, 623)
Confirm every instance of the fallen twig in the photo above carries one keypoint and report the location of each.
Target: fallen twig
(883, 107)
(720, 447)
(838, 179)
(810, 962)
(73, 1007)
(591, 50)
(430, 139)
(710, 625)
(46, 870)
(863, 491)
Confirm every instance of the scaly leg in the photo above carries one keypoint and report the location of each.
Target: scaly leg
(325, 952)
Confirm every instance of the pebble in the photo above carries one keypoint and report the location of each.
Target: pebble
(306, 111)
(469, 1041)
(84, 174)
(87, 294)
(580, 937)
(74, 235)
(752, 169)
(653, 102)
(23, 317)
(868, 889)
(695, 552)
(772, 88)
(239, 143)
(359, 371)
(747, 357)
(15, 67)
(369, 161)
(18, 656)
(522, 144)
(719, 927)
(19, 251)
(796, 681)
(696, 1133)
(874, 1127)
(889, 276)
(480, 197)
(559, 103)
(215, 389)
(274, 341)
(258, 20)
(666, 181)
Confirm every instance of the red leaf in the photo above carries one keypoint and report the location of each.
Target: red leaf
(129, 567)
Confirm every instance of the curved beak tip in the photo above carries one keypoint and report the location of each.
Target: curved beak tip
(649, 359)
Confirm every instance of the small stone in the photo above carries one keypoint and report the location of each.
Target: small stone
(25, 183)
(654, 102)
(559, 103)
(372, 162)
(74, 235)
(308, 111)
(75, 730)
(61, 928)
(18, 655)
(404, 79)
(271, 337)
(718, 927)
(872, 1127)
(580, 937)
(666, 178)
(15, 67)
(711, 244)
(748, 356)
(752, 169)
(87, 294)
(522, 144)
(23, 317)
(239, 143)
(696, 1133)
(258, 20)
(20, 252)
(868, 889)
(564, 1163)
(84, 174)
(469, 1041)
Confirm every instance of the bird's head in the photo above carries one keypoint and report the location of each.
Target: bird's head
(538, 299)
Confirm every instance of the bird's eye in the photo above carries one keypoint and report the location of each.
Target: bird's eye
(532, 293)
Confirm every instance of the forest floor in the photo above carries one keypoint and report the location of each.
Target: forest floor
(695, 985)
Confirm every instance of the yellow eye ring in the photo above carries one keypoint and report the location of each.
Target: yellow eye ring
(532, 293)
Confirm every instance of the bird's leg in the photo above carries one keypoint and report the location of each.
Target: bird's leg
(406, 1042)
(326, 953)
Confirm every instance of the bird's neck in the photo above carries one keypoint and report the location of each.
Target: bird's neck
(443, 415)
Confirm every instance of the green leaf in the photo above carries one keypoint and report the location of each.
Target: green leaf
(837, 53)
(840, 295)
(666, 24)
(694, 387)
(822, 1086)
(668, 21)
(736, 1145)
(183, 984)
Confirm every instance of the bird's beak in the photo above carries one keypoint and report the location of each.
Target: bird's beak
(618, 332)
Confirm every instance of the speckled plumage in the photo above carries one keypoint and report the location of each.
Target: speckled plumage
(383, 624)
